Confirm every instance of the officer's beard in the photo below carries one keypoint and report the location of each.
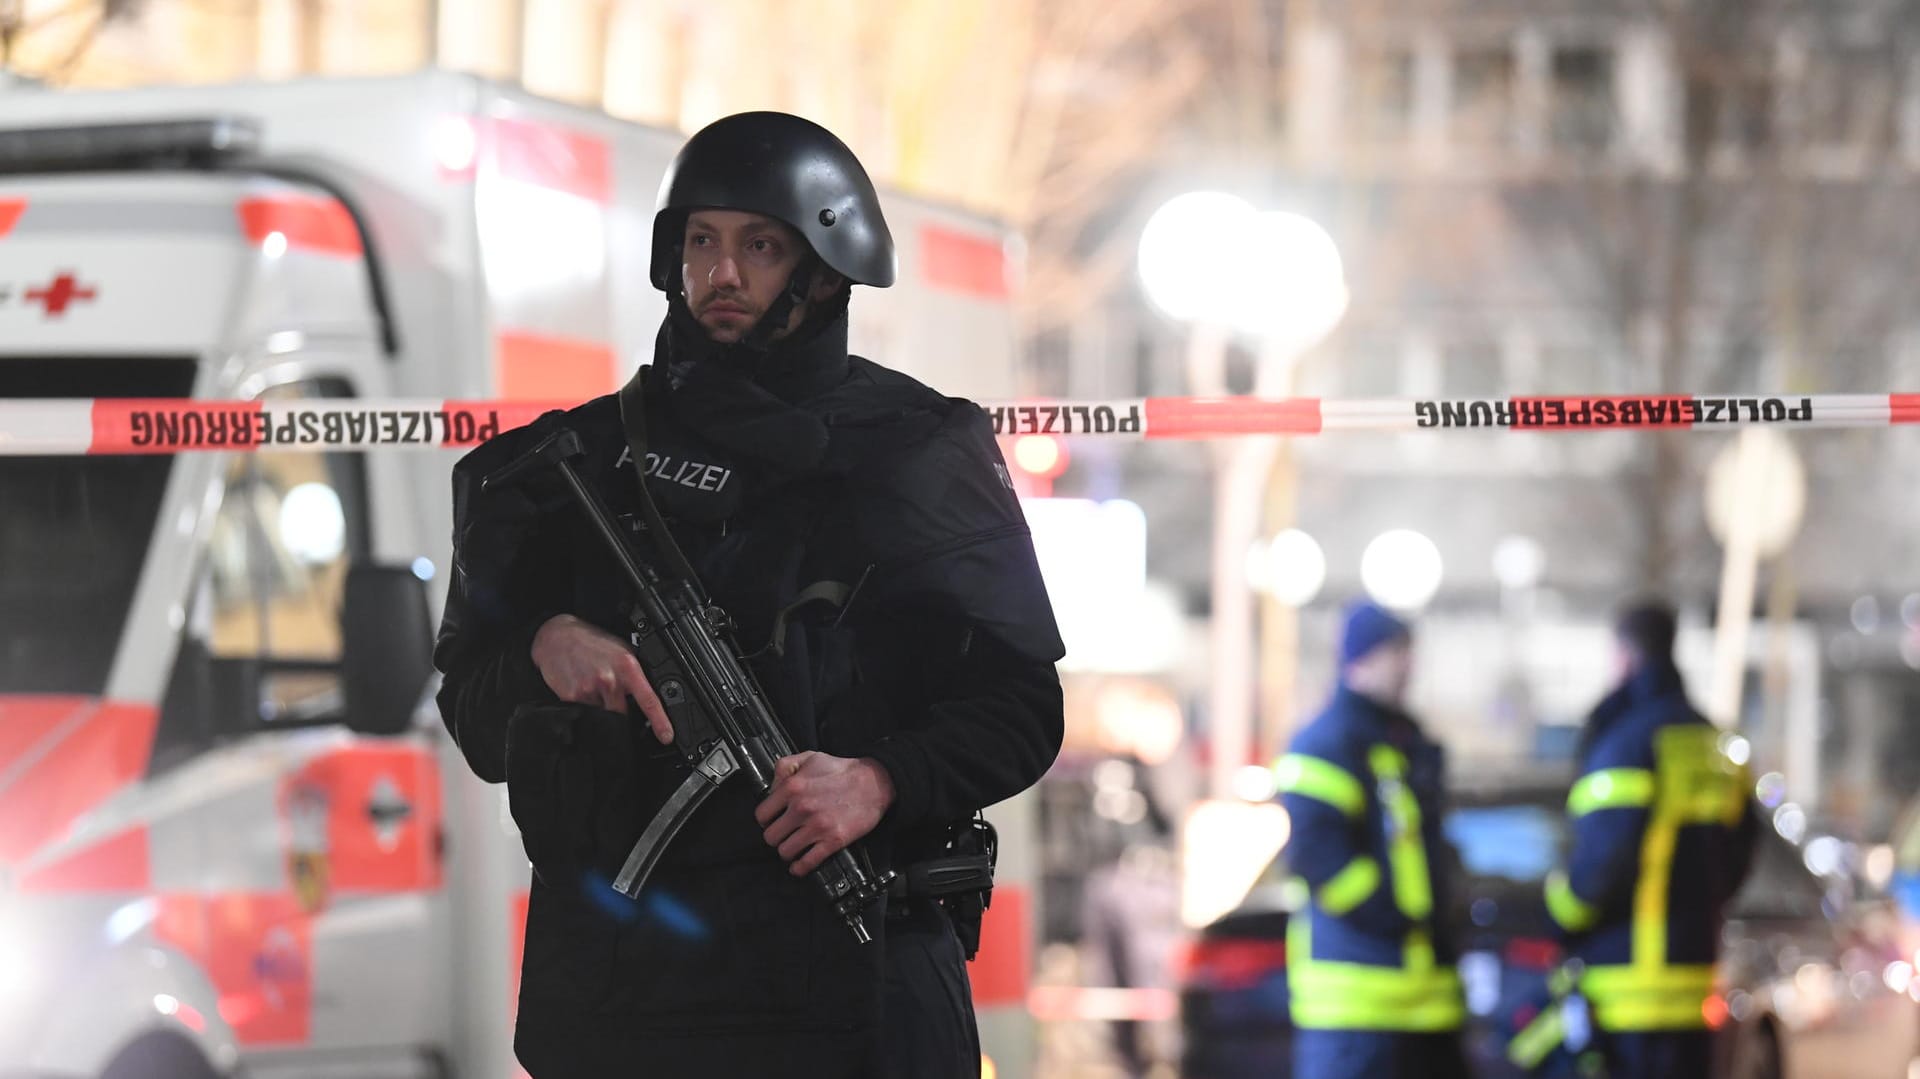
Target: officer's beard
(816, 349)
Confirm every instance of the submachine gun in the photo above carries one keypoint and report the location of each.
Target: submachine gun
(722, 723)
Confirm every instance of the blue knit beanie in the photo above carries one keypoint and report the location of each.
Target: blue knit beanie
(1369, 626)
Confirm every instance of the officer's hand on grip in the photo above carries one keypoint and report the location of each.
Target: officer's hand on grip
(821, 804)
(584, 664)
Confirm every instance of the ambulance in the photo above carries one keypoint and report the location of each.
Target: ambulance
(234, 838)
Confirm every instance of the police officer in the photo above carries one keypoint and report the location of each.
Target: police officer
(861, 531)
(1370, 964)
(1663, 834)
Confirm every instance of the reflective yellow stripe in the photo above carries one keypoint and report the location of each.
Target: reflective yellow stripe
(1650, 892)
(1406, 847)
(1322, 781)
(1355, 996)
(1695, 783)
(1636, 998)
(1704, 784)
(1538, 1038)
(1611, 788)
(1416, 954)
(1574, 914)
(1351, 886)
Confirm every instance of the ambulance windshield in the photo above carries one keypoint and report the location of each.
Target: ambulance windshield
(74, 531)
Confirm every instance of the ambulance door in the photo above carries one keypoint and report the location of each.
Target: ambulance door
(343, 953)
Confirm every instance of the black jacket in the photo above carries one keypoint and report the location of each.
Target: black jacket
(940, 667)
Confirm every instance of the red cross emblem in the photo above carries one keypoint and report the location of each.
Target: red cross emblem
(64, 290)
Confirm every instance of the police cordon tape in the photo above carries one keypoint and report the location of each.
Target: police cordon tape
(59, 426)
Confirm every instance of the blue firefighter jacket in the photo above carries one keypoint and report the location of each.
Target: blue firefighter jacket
(1363, 787)
(1662, 836)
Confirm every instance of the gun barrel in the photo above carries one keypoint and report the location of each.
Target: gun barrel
(727, 689)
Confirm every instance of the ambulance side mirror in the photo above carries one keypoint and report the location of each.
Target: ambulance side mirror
(386, 648)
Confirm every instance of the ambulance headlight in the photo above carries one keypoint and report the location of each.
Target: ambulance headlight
(20, 970)
(16, 959)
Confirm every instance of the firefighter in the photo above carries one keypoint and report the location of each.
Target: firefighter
(860, 530)
(1663, 830)
(1370, 962)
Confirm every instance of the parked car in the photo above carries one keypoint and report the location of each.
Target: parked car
(1816, 979)
(1506, 831)
(1813, 983)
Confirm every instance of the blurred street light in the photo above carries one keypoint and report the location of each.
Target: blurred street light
(1756, 497)
(1865, 615)
(1518, 562)
(1213, 261)
(1181, 253)
(1401, 569)
(1290, 568)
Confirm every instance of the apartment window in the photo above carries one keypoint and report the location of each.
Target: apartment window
(1565, 367)
(1580, 116)
(1735, 105)
(1049, 361)
(1371, 368)
(1848, 97)
(1384, 94)
(1472, 367)
(1483, 84)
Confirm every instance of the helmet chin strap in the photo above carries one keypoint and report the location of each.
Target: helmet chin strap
(782, 307)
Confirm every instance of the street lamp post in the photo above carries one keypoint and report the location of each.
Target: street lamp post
(1215, 263)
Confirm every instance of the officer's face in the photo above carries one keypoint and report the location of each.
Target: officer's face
(1384, 673)
(735, 265)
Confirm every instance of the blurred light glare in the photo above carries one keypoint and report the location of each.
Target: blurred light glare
(537, 242)
(312, 524)
(1879, 865)
(1771, 789)
(1899, 975)
(1039, 455)
(1288, 286)
(456, 143)
(1910, 650)
(1401, 569)
(1180, 248)
(165, 1004)
(1910, 610)
(1120, 806)
(1113, 776)
(1254, 784)
(1737, 749)
(1865, 614)
(1295, 568)
(16, 979)
(1791, 822)
(1518, 562)
(131, 918)
(1093, 556)
(274, 245)
(1823, 856)
(1226, 845)
(423, 568)
(1260, 568)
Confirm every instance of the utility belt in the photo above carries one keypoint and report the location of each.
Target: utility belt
(960, 880)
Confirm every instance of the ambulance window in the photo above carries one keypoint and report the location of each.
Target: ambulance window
(74, 530)
(288, 527)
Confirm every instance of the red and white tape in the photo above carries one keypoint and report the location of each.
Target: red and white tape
(56, 426)
(1200, 417)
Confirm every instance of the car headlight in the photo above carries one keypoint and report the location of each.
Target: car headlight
(23, 967)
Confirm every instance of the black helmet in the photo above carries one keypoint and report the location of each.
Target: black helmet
(790, 169)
